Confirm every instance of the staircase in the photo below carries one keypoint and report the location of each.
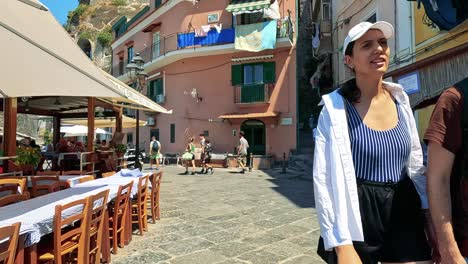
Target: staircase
(301, 161)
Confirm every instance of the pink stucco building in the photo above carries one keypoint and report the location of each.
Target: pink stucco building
(198, 66)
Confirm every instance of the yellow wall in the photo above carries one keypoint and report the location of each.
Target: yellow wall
(424, 33)
(424, 116)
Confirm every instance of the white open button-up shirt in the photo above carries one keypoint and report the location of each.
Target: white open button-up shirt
(335, 189)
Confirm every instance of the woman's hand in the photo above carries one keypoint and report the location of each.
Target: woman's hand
(347, 255)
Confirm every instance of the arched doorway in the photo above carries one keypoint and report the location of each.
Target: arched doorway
(85, 46)
(255, 134)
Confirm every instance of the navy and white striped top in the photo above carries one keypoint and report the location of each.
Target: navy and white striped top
(378, 156)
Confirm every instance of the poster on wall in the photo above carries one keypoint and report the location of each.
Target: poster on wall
(410, 82)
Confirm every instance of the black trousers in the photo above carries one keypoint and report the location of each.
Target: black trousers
(392, 222)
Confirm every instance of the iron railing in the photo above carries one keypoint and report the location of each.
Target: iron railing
(252, 93)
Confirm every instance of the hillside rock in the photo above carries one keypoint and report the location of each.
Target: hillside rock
(90, 25)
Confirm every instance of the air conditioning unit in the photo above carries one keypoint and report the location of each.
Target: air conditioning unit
(150, 121)
(160, 98)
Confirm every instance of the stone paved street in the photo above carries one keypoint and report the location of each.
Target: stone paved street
(229, 218)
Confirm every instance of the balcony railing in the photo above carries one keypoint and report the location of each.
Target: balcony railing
(252, 93)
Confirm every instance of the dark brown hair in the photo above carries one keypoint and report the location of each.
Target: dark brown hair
(349, 90)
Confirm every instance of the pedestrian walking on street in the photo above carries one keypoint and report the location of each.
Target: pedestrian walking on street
(190, 156)
(155, 152)
(202, 146)
(447, 169)
(242, 151)
(369, 182)
(206, 157)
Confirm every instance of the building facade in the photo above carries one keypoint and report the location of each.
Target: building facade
(221, 66)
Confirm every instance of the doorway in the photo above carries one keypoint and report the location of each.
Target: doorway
(256, 136)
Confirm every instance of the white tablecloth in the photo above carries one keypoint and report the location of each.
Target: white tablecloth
(37, 215)
(114, 181)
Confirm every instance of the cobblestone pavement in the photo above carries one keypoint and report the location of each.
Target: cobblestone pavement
(229, 218)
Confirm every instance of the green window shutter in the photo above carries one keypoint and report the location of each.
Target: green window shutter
(159, 87)
(157, 3)
(237, 74)
(269, 72)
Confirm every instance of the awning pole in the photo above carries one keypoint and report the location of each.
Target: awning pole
(9, 130)
(90, 145)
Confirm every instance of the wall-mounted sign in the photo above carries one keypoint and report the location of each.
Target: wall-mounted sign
(213, 18)
(410, 82)
(286, 121)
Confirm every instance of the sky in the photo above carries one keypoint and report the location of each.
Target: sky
(60, 8)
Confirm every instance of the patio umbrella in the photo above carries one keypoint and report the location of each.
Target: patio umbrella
(77, 131)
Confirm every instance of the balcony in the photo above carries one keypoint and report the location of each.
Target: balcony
(252, 93)
(185, 45)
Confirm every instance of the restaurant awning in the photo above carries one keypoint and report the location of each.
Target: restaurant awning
(238, 7)
(248, 115)
(43, 60)
(127, 122)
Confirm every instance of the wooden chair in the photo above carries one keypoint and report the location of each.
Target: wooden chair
(40, 184)
(96, 213)
(58, 186)
(86, 178)
(71, 239)
(139, 210)
(108, 174)
(117, 215)
(13, 198)
(13, 185)
(72, 172)
(153, 200)
(10, 234)
(48, 173)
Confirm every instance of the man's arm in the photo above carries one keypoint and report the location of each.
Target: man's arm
(440, 162)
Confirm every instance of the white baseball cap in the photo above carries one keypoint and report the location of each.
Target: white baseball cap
(360, 29)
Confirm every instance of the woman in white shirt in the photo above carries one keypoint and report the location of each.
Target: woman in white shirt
(368, 174)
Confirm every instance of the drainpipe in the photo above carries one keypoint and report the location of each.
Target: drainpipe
(297, 76)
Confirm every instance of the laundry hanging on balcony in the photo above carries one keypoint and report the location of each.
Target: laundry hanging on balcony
(256, 37)
(272, 12)
(238, 7)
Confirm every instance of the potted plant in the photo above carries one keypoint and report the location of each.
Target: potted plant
(27, 158)
(120, 149)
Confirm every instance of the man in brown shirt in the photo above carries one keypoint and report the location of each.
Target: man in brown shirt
(445, 149)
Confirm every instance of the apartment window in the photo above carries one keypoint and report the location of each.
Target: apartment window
(372, 18)
(252, 18)
(156, 45)
(250, 79)
(156, 90)
(130, 54)
(326, 10)
(172, 133)
(154, 133)
(253, 73)
(129, 138)
(157, 3)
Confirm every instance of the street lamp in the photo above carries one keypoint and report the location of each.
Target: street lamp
(137, 75)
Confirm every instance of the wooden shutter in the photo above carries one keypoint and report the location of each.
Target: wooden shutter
(269, 72)
(237, 75)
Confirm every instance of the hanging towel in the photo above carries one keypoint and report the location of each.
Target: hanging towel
(199, 32)
(206, 28)
(256, 37)
(219, 28)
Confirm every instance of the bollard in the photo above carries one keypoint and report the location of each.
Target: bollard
(284, 163)
(251, 162)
